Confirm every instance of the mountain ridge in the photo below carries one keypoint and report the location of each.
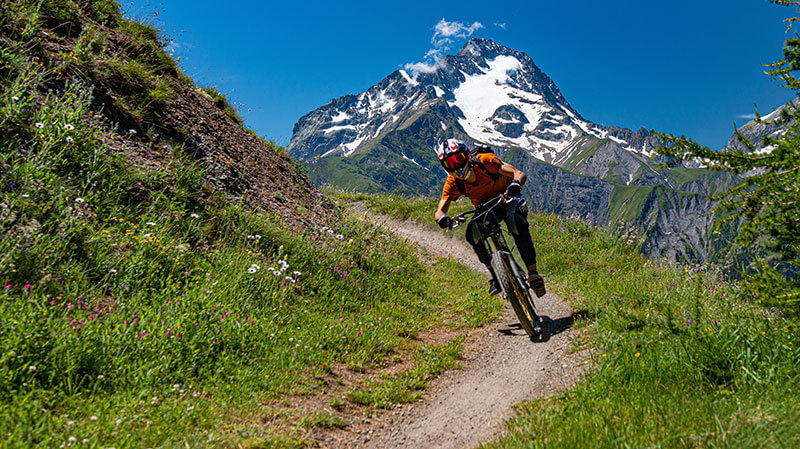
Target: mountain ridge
(493, 95)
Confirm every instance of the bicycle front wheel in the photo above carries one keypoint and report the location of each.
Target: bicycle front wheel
(516, 291)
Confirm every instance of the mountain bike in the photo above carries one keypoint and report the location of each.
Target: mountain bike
(511, 276)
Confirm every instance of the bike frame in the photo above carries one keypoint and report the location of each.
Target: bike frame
(513, 281)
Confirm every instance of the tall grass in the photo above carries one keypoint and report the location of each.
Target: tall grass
(142, 308)
(680, 356)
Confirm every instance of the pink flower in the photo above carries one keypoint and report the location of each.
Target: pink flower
(341, 319)
(8, 287)
(27, 285)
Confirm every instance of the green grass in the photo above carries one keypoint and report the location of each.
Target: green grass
(680, 358)
(143, 308)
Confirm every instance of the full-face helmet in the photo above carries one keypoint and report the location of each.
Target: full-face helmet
(454, 157)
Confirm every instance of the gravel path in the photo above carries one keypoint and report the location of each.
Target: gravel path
(501, 367)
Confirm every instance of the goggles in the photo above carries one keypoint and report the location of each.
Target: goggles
(455, 162)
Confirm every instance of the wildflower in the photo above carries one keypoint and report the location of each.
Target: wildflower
(69, 127)
(131, 131)
(296, 273)
(8, 287)
(15, 98)
(79, 200)
(72, 440)
(100, 377)
(112, 271)
(251, 270)
(69, 139)
(194, 215)
(25, 195)
(93, 418)
(39, 125)
(27, 286)
(340, 236)
(32, 368)
(276, 273)
(150, 223)
(289, 279)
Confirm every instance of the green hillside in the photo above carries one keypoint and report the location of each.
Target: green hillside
(148, 299)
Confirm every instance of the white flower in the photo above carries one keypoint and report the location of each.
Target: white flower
(276, 273)
(131, 131)
(25, 195)
(15, 98)
(31, 368)
(256, 266)
(93, 418)
(72, 440)
(148, 235)
(340, 236)
(69, 139)
(290, 279)
(112, 271)
(150, 223)
(39, 125)
(297, 273)
(194, 216)
(100, 376)
(79, 200)
(69, 127)
(251, 270)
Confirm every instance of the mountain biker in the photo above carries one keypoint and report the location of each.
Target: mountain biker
(481, 177)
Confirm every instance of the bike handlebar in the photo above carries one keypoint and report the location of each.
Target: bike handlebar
(485, 207)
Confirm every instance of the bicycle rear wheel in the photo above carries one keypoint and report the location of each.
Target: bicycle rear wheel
(516, 291)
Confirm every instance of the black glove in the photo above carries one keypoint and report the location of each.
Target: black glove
(445, 221)
(514, 189)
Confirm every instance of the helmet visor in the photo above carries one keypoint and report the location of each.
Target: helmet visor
(455, 161)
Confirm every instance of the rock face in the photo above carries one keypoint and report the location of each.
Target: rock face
(382, 141)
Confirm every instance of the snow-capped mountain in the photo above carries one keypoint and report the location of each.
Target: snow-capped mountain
(491, 93)
(382, 140)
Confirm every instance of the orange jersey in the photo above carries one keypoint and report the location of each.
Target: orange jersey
(484, 188)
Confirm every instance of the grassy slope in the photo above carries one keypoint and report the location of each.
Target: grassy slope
(142, 308)
(680, 358)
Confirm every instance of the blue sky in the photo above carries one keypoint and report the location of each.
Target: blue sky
(686, 67)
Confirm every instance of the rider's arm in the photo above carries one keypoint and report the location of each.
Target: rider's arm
(444, 205)
(512, 172)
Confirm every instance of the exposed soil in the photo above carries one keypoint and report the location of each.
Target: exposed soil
(501, 367)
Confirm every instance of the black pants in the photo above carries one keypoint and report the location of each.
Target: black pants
(515, 214)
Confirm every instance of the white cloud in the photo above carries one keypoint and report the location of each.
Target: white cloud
(444, 35)
(747, 116)
(500, 25)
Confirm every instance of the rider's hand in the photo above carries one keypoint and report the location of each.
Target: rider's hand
(445, 222)
(514, 189)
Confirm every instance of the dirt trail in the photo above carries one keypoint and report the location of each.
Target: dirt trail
(501, 368)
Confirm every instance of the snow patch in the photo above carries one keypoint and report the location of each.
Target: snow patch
(413, 161)
(340, 117)
(408, 79)
(439, 91)
(334, 129)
